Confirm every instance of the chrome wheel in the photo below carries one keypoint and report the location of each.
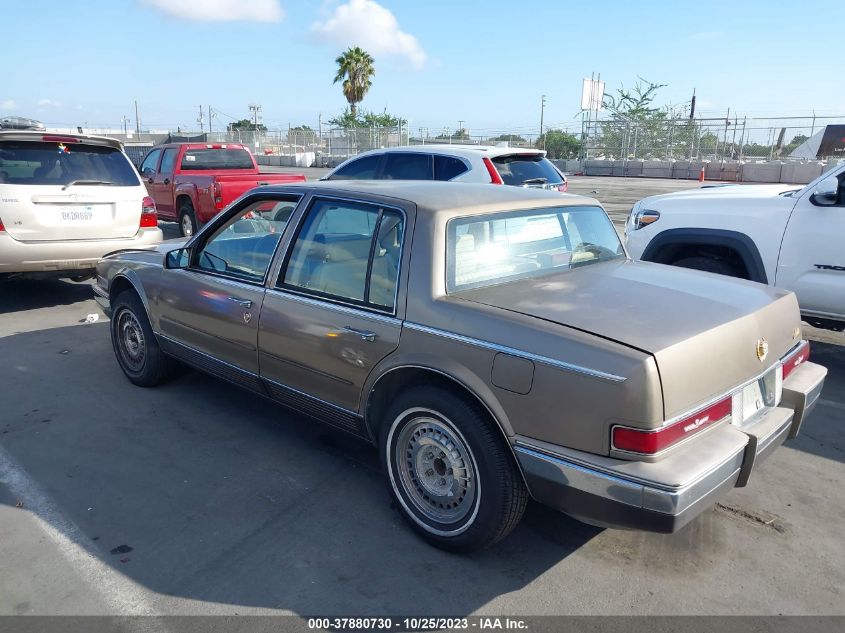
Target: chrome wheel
(130, 341)
(436, 471)
(187, 225)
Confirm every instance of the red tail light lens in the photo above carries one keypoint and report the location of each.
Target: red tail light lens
(495, 178)
(218, 195)
(654, 441)
(149, 217)
(563, 188)
(2, 228)
(801, 355)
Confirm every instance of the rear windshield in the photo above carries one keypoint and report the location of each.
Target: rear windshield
(229, 158)
(493, 248)
(42, 163)
(527, 169)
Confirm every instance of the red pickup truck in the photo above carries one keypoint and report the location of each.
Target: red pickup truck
(192, 182)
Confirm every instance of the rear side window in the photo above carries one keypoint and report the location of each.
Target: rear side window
(448, 167)
(361, 169)
(408, 166)
(527, 169)
(205, 158)
(168, 160)
(51, 163)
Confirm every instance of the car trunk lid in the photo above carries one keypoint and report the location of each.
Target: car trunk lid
(702, 329)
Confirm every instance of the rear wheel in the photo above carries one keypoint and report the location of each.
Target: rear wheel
(135, 345)
(450, 472)
(187, 219)
(710, 265)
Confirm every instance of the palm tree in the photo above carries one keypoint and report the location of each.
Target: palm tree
(354, 68)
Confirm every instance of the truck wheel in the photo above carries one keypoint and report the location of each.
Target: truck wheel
(449, 471)
(187, 219)
(708, 264)
(135, 345)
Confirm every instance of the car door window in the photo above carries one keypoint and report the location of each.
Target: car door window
(361, 169)
(408, 166)
(151, 161)
(448, 167)
(168, 160)
(244, 246)
(348, 251)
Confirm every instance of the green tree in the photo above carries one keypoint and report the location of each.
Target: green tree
(457, 135)
(512, 138)
(355, 69)
(246, 124)
(559, 144)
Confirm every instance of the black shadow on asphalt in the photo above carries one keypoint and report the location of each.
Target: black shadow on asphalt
(223, 496)
(28, 294)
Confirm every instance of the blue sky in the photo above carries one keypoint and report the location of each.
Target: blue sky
(437, 61)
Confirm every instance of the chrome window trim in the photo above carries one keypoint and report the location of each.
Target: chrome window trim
(544, 360)
(340, 306)
(283, 269)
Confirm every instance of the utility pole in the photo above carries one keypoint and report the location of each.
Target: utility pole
(209, 119)
(255, 108)
(460, 126)
(542, 112)
(124, 120)
(137, 119)
(201, 120)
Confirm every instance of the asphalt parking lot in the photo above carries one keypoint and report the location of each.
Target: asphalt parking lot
(198, 498)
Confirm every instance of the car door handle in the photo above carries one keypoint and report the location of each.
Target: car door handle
(150, 180)
(366, 335)
(244, 303)
(167, 181)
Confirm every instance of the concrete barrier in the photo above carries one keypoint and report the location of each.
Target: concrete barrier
(800, 173)
(762, 172)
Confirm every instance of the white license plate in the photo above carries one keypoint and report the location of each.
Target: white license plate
(763, 392)
(76, 214)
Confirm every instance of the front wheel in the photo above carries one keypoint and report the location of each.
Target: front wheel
(708, 264)
(449, 470)
(135, 345)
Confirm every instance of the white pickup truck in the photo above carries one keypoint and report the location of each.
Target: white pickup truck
(782, 235)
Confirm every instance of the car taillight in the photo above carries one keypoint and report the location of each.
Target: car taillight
(149, 217)
(2, 228)
(563, 188)
(218, 194)
(651, 442)
(495, 178)
(801, 355)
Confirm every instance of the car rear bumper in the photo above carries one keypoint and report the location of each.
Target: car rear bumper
(665, 495)
(68, 258)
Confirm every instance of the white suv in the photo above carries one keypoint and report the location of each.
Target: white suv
(65, 201)
(459, 163)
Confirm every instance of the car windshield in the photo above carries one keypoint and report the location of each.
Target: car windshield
(527, 169)
(53, 163)
(494, 248)
(217, 158)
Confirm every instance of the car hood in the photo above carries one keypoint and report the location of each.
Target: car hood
(701, 328)
(171, 245)
(724, 192)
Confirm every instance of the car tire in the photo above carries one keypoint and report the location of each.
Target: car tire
(187, 219)
(135, 345)
(429, 435)
(710, 265)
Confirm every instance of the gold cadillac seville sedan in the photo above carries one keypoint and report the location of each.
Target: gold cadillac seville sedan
(495, 343)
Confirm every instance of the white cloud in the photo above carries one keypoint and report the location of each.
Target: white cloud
(8, 104)
(221, 10)
(49, 103)
(367, 24)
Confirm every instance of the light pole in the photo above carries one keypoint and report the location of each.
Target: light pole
(542, 112)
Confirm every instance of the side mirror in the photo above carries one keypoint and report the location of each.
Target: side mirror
(826, 192)
(148, 172)
(180, 258)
